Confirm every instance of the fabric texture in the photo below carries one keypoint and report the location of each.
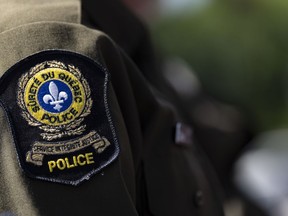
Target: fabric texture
(55, 33)
(15, 13)
(152, 175)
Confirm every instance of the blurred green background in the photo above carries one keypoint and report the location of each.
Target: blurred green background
(239, 50)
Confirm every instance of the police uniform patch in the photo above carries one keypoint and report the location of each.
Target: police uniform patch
(55, 97)
(60, 116)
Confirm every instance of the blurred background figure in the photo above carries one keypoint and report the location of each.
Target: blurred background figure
(236, 52)
(261, 172)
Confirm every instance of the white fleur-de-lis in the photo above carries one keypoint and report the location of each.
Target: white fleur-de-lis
(55, 97)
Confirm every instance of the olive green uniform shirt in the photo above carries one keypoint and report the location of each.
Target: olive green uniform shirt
(152, 175)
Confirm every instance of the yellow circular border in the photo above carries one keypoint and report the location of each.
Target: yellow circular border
(54, 119)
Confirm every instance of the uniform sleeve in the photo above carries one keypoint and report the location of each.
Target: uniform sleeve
(26, 188)
(109, 150)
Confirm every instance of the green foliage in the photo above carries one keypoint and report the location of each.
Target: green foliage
(239, 49)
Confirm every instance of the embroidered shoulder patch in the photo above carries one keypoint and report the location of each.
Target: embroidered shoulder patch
(58, 109)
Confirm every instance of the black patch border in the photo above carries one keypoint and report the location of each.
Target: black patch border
(113, 157)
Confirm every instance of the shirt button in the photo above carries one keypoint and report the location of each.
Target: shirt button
(199, 198)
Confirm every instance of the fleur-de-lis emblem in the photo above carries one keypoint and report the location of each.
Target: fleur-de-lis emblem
(55, 98)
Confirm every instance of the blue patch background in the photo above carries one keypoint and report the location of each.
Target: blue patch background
(44, 89)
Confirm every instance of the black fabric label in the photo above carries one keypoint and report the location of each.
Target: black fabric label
(58, 110)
